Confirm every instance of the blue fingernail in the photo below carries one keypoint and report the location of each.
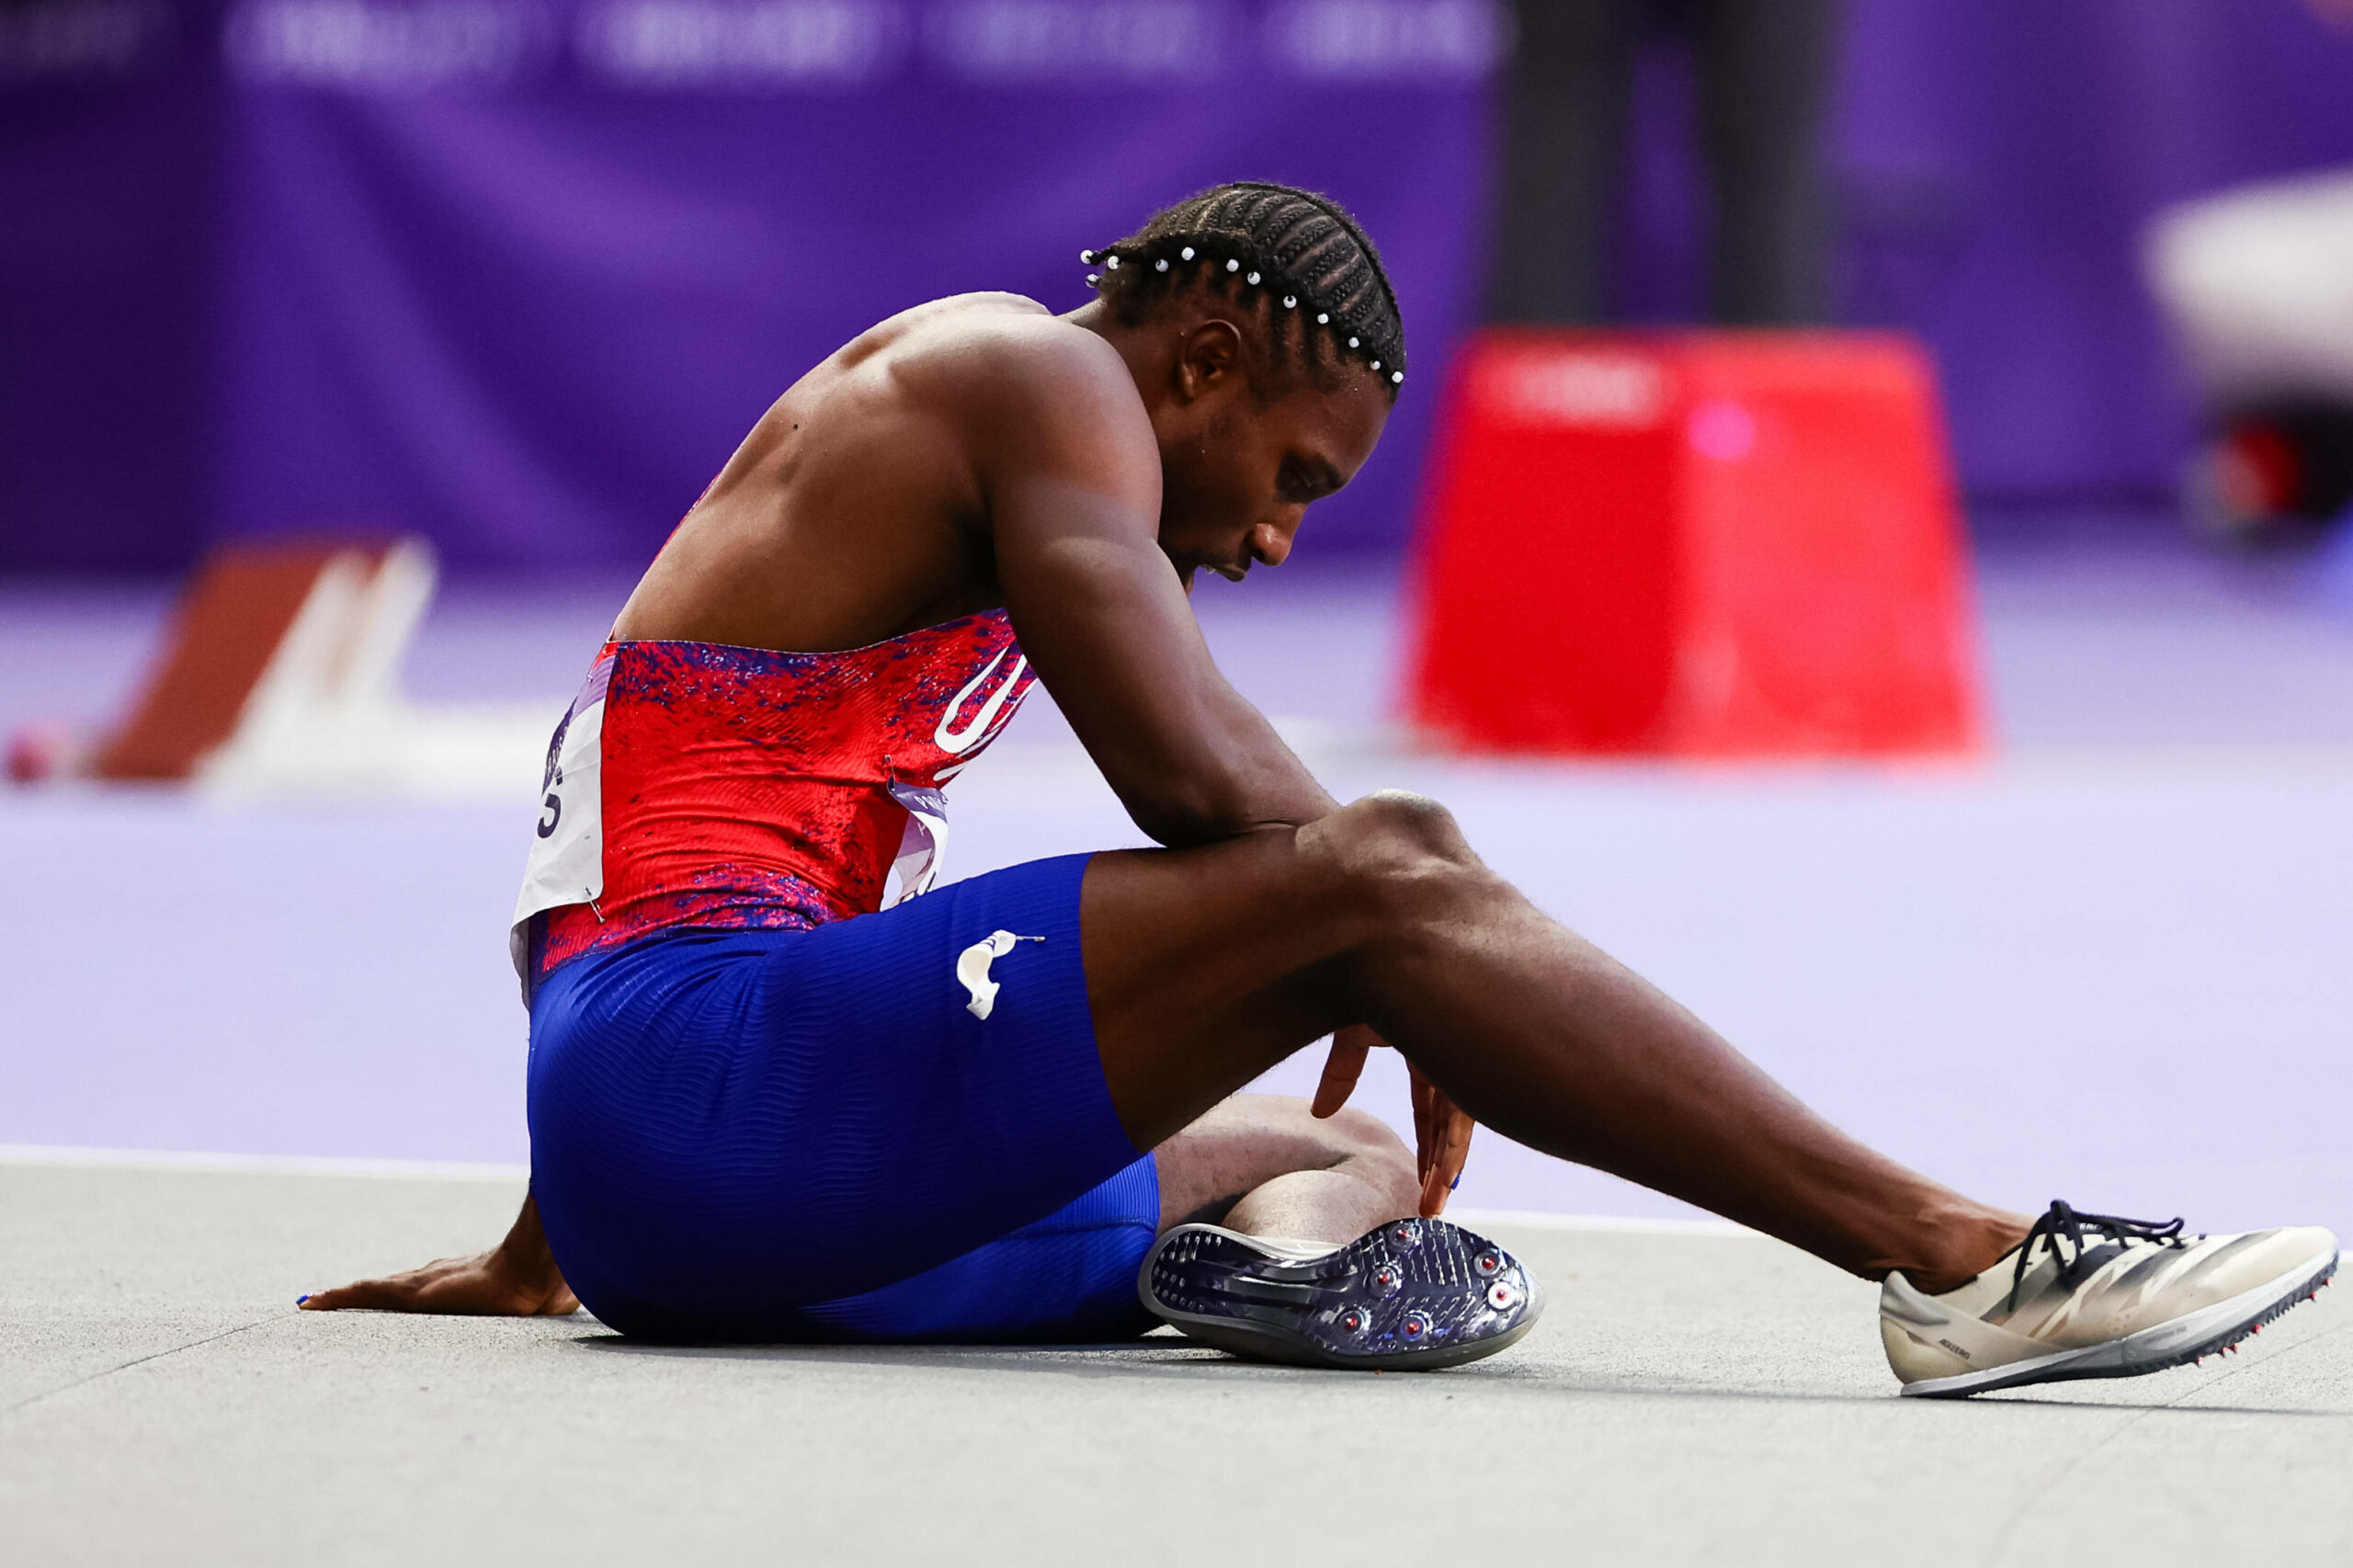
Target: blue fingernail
(1455, 1183)
(300, 1300)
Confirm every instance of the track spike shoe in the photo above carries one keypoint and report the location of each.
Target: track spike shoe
(2095, 1296)
(1414, 1295)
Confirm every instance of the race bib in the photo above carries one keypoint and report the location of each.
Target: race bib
(923, 847)
(567, 859)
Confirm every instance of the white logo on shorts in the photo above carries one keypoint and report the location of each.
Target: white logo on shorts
(972, 969)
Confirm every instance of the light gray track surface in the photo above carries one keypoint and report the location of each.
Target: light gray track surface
(1686, 1398)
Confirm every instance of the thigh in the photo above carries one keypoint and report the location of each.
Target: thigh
(1071, 1277)
(1203, 969)
(728, 1125)
(1206, 966)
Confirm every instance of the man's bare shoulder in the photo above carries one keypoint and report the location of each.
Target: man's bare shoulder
(1013, 366)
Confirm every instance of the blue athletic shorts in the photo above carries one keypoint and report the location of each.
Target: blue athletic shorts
(807, 1135)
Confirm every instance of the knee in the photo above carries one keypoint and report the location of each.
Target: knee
(1376, 1156)
(1397, 842)
(1397, 824)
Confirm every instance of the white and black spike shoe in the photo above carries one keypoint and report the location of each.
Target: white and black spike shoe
(2097, 1296)
(1414, 1295)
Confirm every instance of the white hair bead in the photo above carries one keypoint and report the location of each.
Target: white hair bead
(1252, 280)
(1186, 253)
(1086, 258)
(1396, 375)
(1290, 302)
(1161, 265)
(1352, 343)
(1093, 279)
(1323, 318)
(1111, 263)
(1376, 364)
(1233, 266)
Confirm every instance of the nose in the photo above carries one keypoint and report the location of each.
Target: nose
(1271, 544)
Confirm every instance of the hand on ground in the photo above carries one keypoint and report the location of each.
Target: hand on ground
(485, 1285)
(516, 1279)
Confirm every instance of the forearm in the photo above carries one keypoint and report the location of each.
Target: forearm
(1103, 618)
(1241, 778)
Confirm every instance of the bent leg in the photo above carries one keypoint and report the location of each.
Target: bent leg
(1067, 1278)
(1205, 966)
(1261, 1163)
(1266, 1164)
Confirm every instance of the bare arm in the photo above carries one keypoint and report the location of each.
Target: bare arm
(1105, 621)
(1103, 618)
(1103, 615)
(1072, 487)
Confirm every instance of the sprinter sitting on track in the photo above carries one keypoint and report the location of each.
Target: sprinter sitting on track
(764, 1108)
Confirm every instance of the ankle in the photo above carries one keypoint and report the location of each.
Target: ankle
(1955, 1247)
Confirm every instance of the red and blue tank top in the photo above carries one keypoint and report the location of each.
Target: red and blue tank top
(699, 784)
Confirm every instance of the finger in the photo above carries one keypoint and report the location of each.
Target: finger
(1342, 1067)
(381, 1294)
(1428, 1106)
(389, 1293)
(1417, 1095)
(1446, 1170)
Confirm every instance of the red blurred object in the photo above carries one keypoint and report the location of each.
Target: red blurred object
(44, 751)
(2260, 472)
(1729, 544)
(226, 633)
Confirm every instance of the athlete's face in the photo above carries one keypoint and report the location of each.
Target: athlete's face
(1238, 474)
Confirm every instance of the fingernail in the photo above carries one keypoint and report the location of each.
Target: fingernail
(1455, 1183)
(300, 1300)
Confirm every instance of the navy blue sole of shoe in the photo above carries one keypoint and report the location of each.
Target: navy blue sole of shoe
(1414, 1295)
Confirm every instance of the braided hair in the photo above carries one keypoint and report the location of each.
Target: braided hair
(1290, 255)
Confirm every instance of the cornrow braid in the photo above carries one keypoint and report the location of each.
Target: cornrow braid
(1295, 255)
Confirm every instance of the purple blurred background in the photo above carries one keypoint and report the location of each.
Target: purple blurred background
(516, 274)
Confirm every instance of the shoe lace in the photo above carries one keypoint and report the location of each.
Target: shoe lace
(2061, 1223)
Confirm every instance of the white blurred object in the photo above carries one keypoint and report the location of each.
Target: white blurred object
(2259, 285)
(327, 718)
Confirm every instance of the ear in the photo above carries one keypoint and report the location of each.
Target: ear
(1210, 358)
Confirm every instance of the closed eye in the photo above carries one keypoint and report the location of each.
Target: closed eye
(1306, 479)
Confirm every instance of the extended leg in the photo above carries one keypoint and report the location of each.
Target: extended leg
(1205, 966)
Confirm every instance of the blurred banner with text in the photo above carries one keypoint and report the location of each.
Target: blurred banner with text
(513, 275)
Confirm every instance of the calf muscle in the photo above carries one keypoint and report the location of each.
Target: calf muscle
(1206, 966)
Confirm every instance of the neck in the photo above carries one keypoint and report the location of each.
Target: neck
(1146, 354)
